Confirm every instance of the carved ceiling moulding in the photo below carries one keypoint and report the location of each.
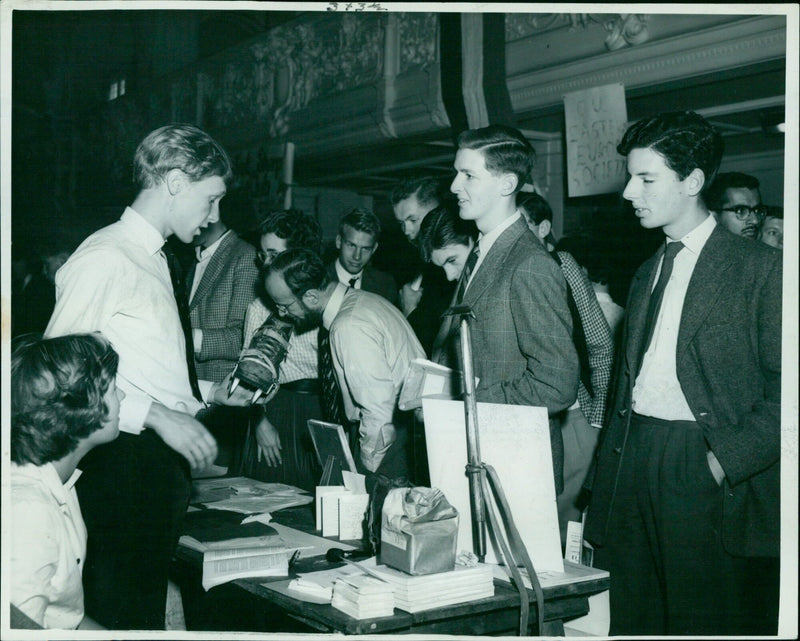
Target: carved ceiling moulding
(289, 67)
(623, 29)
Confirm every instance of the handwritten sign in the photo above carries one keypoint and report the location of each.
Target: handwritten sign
(596, 119)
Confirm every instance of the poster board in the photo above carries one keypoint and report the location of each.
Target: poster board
(330, 441)
(515, 440)
(595, 121)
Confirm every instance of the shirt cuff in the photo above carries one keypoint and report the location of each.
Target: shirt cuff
(205, 390)
(197, 339)
(133, 412)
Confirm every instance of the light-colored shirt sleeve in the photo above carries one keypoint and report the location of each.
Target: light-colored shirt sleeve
(361, 364)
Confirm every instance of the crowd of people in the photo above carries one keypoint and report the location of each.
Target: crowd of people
(664, 411)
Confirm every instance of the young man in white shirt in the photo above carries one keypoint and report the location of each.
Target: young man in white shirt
(685, 506)
(135, 490)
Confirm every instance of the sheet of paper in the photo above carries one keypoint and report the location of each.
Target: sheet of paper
(356, 483)
(515, 440)
(352, 508)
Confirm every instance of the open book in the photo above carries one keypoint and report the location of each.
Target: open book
(426, 379)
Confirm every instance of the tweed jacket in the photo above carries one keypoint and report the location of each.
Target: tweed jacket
(522, 331)
(728, 364)
(219, 305)
(372, 280)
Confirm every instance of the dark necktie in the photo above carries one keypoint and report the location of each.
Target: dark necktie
(657, 294)
(472, 260)
(353, 281)
(179, 290)
(332, 404)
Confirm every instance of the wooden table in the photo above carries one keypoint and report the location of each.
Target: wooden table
(246, 605)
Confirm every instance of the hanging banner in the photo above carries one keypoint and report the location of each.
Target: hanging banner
(595, 120)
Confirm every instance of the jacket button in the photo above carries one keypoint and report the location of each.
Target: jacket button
(617, 450)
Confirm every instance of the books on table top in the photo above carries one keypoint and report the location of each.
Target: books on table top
(363, 597)
(424, 592)
(232, 549)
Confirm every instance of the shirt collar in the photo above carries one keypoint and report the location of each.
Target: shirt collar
(205, 253)
(345, 276)
(143, 233)
(485, 241)
(48, 476)
(696, 239)
(333, 306)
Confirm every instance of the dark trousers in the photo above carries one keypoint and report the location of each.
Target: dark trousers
(133, 493)
(289, 412)
(670, 574)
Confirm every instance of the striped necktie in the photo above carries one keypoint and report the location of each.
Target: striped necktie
(472, 260)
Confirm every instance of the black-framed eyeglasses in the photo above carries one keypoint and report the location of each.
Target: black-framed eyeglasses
(264, 256)
(742, 212)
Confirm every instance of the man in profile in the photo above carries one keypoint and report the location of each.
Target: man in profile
(134, 491)
(685, 505)
(522, 332)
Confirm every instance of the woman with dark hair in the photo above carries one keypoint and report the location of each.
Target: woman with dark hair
(64, 402)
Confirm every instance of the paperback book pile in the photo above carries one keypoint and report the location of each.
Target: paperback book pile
(424, 592)
(232, 549)
(363, 597)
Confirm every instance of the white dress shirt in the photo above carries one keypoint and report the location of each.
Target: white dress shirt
(117, 282)
(372, 346)
(345, 276)
(48, 546)
(301, 359)
(657, 392)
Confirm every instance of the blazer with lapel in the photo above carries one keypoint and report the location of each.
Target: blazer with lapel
(522, 332)
(372, 280)
(219, 305)
(728, 361)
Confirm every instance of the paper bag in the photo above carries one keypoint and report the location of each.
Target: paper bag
(419, 531)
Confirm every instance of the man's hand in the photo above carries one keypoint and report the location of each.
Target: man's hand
(716, 468)
(242, 396)
(409, 298)
(184, 434)
(269, 443)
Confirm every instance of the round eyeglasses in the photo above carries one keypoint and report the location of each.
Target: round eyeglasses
(743, 212)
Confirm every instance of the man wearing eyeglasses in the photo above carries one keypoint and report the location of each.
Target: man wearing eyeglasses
(735, 200)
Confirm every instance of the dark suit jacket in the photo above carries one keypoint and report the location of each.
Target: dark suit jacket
(522, 332)
(437, 292)
(220, 303)
(372, 280)
(729, 368)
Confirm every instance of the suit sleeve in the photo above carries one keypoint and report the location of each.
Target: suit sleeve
(753, 443)
(226, 342)
(543, 325)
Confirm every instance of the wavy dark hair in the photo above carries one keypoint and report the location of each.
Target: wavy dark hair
(57, 393)
(443, 227)
(684, 139)
(298, 229)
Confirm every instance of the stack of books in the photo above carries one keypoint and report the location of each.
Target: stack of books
(232, 549)
(363, 597)
(424, 592)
